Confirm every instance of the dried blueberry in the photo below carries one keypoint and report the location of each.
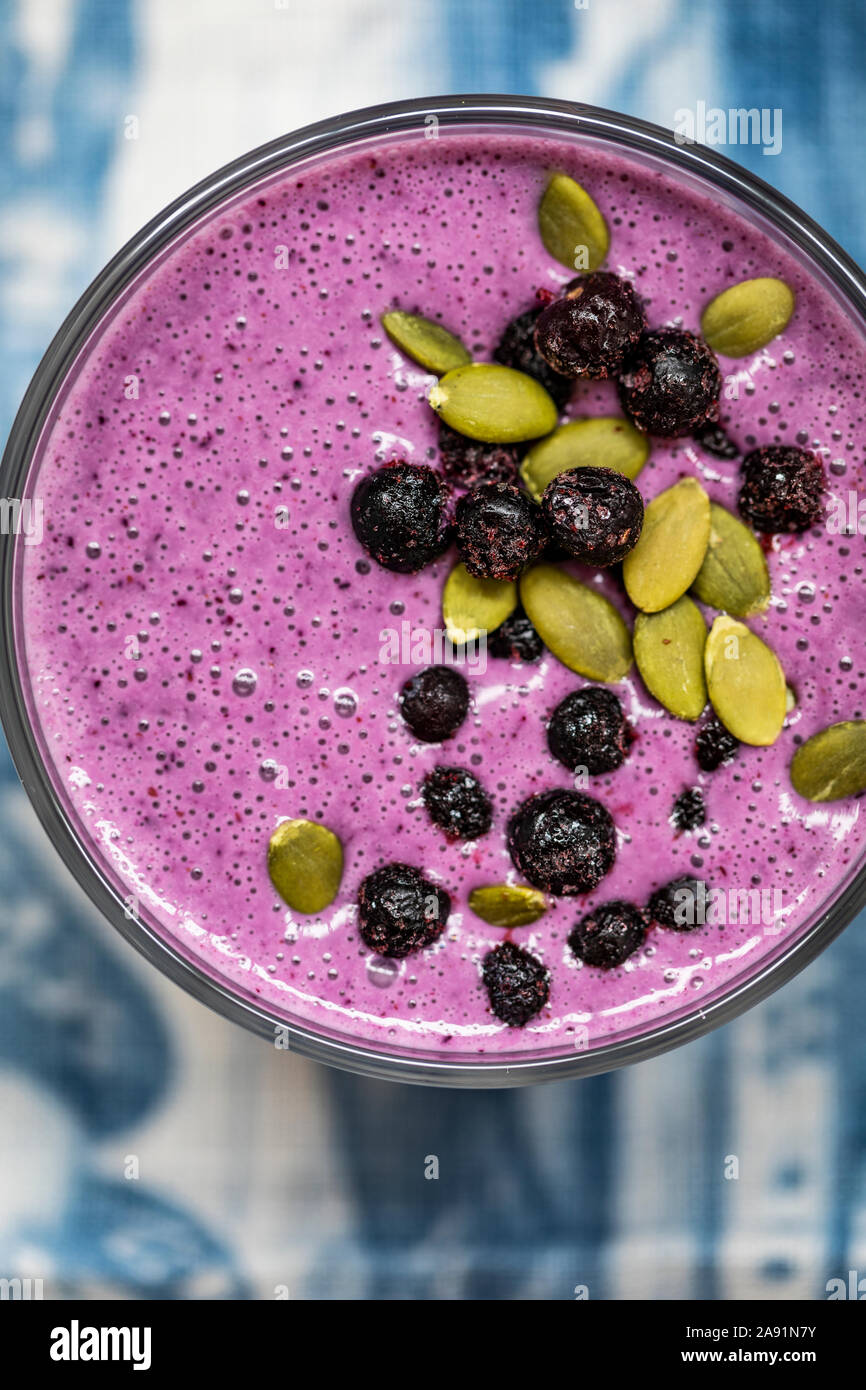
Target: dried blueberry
(680, 904)
(517, 983)
(609, 934)
(400, 911)
(457, 802)
(562, 841)
(671, 383)
(400, 514)
(466, 462)
(500, 530)
(588, 729)
(516, 639)
(783, 488)
(688, 810)
(517, 349)
(714, 745)
(434, 703)
(592, 329)
(713, 440)
(593, 513)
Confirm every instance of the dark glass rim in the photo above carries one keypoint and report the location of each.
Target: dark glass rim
(553, 118)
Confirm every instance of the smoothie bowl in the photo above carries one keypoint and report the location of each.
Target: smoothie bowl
(433, 618)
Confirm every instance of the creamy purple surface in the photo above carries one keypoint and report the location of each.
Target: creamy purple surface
(185, 637)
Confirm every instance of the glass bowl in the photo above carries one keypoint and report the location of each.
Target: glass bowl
(643, 143)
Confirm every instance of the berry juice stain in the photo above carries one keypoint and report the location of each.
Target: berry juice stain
(203, 630)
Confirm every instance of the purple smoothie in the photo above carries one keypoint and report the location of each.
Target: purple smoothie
(203, 631)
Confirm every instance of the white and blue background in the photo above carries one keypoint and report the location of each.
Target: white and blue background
(147, 1147)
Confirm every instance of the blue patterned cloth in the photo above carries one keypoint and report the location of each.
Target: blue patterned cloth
(146, 1146)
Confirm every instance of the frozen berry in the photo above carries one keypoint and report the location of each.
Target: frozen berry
(609, 934)
(400, 514)
(500, 530)
(714, 745)
(713, 439)
(457, 803)
(588, 729)
(593, 513)
(591, 330)
(680, 904)
(783, 488)
(517, 983)
(516, 639)
(562, 841)
(671, 383)
(517, 349)
(434, 703)
(466, 462)
(689, 810)
(400, 911)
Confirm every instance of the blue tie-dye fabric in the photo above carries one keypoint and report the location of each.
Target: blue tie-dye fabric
(148, 1148)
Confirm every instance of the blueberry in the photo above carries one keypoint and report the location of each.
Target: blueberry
(466, 462)
(400, 514)
(516, 639)
(609, 934)
(671, 383)
(689, 810)
(517, 983)
(680, 904)
(500, 530)
(593, 513)
(714, 745)
(400, 911)
(713, 439)
(517, 349)
(457, 803)
(434, 703)
(562, 841)
(783, 488)
(588, 729)
(592, 329)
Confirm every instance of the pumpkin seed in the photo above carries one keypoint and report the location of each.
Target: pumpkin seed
(669, 652)
(832, 764)
(747, 316)
(495, 404)
(746, 684)
(571, 226)
(508, 904)
(671, 548)
(471, 606)
(734, 575)
(305, 862)
(425, 342)
(605, 441)
(579, 625)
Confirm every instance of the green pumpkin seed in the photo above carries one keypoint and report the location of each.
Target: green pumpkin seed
(669, 652)
(305, 862)
(508, 904)
(425, 342)
(571, 226)
(471, 606)
(582, 629)
(494, 404)
(746, 684)
(734, 575)
(832, 764)
(605, 441)
(747, 316)
(671, 548)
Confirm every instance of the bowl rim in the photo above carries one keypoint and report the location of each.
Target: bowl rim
(553, 117)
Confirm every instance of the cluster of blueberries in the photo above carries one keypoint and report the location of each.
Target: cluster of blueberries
(560, 841)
